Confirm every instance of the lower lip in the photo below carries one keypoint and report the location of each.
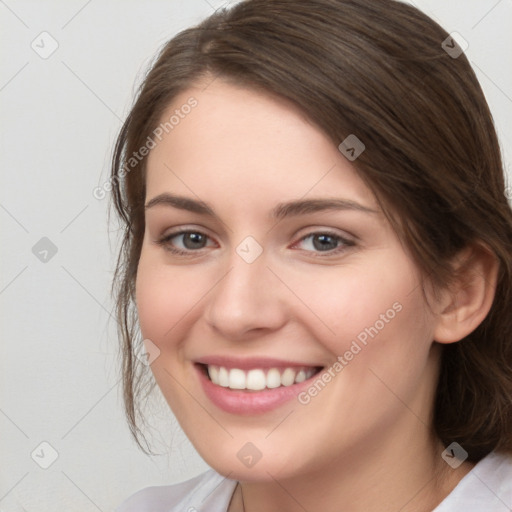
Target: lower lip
(249, 402)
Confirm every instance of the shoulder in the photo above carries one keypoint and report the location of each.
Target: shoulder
(488, 486)
(205, 491)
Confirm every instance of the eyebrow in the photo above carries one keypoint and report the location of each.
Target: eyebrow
(279, 212)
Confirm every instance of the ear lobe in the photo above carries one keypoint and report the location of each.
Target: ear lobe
(467, 303)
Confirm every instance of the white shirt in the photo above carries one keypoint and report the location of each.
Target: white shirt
(486, 488)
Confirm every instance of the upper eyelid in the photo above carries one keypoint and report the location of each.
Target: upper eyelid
(323, 231)
(182, 231)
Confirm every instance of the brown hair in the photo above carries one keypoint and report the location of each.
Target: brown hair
(377, 70)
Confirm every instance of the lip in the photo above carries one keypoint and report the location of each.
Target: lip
(253, 362)
(244, 402)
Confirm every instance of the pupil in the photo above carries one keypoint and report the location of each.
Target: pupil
(193, 240)
(325, 242)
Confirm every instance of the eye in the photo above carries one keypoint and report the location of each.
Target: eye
(324, 242)
(184, 242)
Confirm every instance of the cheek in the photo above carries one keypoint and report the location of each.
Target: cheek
(379, 336)
(164, 297)
(376, 327)
(350, 302)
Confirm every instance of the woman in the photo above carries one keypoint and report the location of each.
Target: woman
(318, 246)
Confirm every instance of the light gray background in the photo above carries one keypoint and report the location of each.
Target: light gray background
(60, 116)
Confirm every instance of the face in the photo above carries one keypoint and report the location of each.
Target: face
(291, 327)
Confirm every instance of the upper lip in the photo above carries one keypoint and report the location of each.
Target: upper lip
(248, 363)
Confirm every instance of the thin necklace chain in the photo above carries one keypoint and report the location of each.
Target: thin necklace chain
(242, 495)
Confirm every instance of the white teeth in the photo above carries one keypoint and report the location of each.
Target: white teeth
(237, 379)
(213, 372)
(223, 378)
(257, 379)
(301, 376)
(273, 378)
(288, 377)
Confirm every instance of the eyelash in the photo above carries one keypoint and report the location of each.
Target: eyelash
(165, 242)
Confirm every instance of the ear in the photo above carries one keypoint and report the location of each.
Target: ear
(466, 304)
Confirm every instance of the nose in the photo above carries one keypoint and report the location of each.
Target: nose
(247, 300)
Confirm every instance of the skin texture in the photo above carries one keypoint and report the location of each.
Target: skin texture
(364, 441)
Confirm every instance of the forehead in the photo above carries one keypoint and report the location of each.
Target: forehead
(243, 145)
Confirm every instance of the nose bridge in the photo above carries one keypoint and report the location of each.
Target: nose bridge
(247, 267)
(242, 281)
(245, 298)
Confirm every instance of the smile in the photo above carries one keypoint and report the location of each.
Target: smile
(258, 379)
(255, 386)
